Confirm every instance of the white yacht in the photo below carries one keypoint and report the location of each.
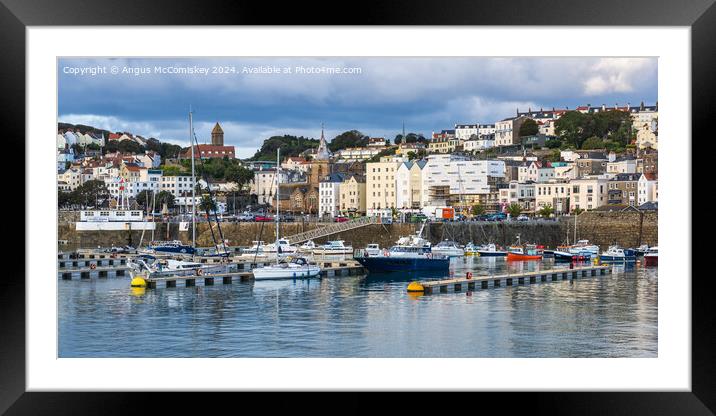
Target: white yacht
(372, 249)
(281, 246)
(333, 248)
(307, 247)
(583, 247)
(298, 267)
(448, 248)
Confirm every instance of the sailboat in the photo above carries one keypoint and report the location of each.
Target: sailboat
(296, 267)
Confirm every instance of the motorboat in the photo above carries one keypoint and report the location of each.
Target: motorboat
(561, 256)
(651, 257)
(471, 249)
(257, 247)
(281, 246)
(528, 252)
(404, 258)
(372, 249)
(171, 267)
(616, 254)
(174, 246)
(448, 248)
(296, 267)
(583, 247)
(307, 247)
(333, 248)
(490, 250)
(642, 249)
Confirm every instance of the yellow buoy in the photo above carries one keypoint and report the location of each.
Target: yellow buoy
(415, 287)
(138, 291)
(138, 282)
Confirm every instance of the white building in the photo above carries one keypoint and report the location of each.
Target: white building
(555, 194)
(329, 194)
(358, 153)
(409, 184)
(178, 185)
(263, 185)
(466, 131)
(624, 165)
(647, 188)
(588, 193)
(478, 144)
(452, 175)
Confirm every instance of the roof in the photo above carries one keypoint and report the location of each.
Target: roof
(334, 177)
(132, 167)
(626, 177)
(649, 206)
(217, 129)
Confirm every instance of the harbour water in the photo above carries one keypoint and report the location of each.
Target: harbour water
(613, 315)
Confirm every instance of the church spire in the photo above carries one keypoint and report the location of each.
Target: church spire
(322, 153)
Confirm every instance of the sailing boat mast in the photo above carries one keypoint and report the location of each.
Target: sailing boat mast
(278, 178)
(193, 182)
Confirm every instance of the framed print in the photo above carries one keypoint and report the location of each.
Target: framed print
(470, 205)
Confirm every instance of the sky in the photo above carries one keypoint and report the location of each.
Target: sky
(255, 98)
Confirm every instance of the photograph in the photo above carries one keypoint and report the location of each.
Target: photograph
(358, 206)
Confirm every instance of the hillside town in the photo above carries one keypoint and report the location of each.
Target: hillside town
(539, 162)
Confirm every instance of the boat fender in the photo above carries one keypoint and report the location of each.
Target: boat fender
(93, 266)
(468, 275)
(199, 272)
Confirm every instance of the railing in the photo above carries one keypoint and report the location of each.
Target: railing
(331, 229)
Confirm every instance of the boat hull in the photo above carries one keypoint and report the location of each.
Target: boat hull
(270, 273)
(616, 259)
(398, 264)
(651, 260)
(175, 250)
(564, 256)
(517, 257)
(491, 253)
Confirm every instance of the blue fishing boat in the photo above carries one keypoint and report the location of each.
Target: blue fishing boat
(408, 254)
(404, 259)
(174, 246)
(561, 256)
(618, 255)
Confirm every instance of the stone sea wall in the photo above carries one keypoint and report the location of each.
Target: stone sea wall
(628, 229)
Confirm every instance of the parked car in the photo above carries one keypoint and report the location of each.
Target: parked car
(522, 217)
(497, 217)
(288, 218)
(340, 219)
(246, 216)
(263, 218)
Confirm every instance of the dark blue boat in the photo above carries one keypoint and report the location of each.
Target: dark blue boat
(404, 259)
(175, 246)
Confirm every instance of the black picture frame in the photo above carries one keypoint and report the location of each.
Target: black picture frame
(15, 15)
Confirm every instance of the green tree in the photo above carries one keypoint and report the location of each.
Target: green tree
(165, 197)
(351, 138)
(529, 128)
(144, 199)
(577, 211)
(514, 210)
(593, 142)
(546, 211)
(207, 204)
(172, 170)
(289, 145)
(554, 156)
(478, 209)
(553, 143)
(91, 194)
(239, 175)
(64, 199)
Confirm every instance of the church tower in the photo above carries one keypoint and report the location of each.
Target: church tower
(217, 136)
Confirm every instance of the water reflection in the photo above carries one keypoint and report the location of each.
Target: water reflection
(366, 316)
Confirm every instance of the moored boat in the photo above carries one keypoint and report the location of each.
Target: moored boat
(403, 259)
(490, 250)
(616, 254)
(307, 247)
(529, 252)
(373, 249)
(583, 247)
(174, 246)
(333, 248)
(470, 249)
(448, 248)
(651, 257)
(297, 267)
(560, 256)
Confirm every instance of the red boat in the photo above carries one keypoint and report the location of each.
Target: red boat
(651, 257)
(517, 253)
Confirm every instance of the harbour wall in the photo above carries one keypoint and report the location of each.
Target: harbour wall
(628, 229)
